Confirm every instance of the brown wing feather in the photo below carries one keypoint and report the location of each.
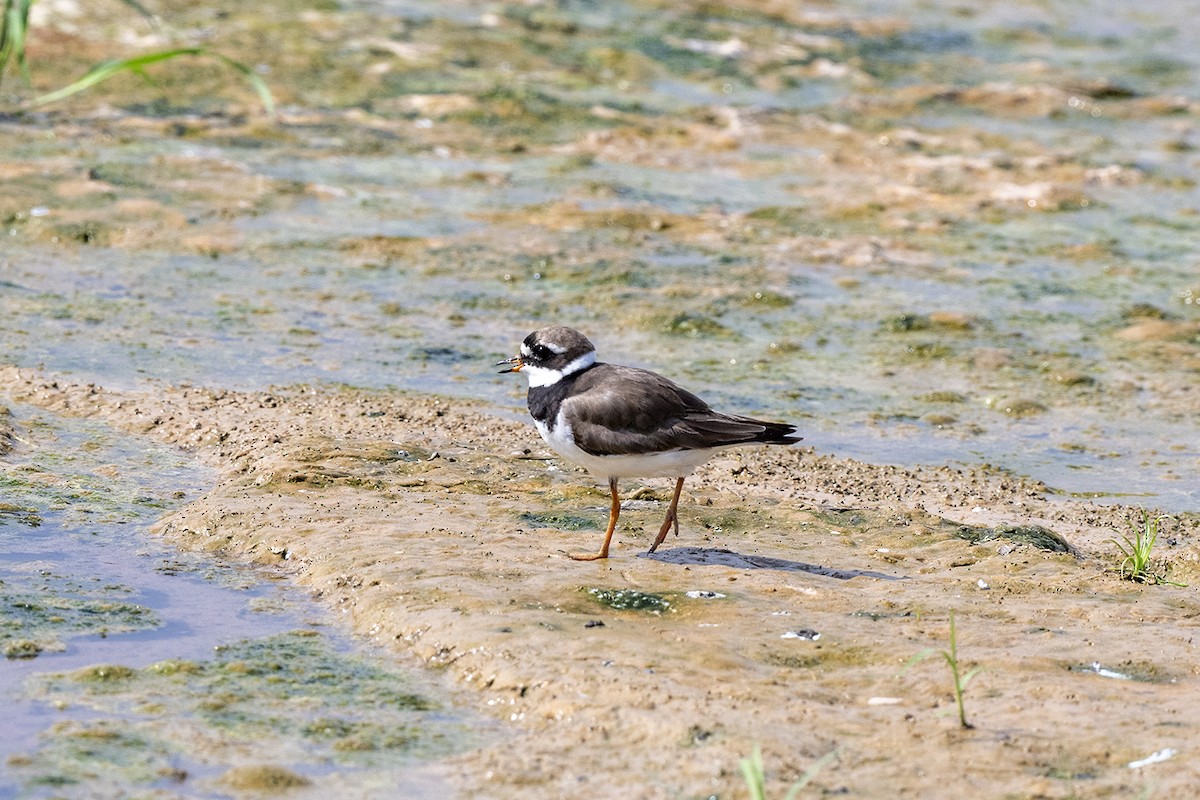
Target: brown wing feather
(641, 412)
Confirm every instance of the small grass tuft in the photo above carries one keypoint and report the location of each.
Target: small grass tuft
(137, 65)
(13, 27)
(754, 773)
(14, 30)
(961, 679)
(1137, 564)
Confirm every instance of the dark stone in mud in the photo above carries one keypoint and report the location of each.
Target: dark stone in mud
(1036, 535)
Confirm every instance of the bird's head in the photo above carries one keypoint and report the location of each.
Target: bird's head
(550, 354)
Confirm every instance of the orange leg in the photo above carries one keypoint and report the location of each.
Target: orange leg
(672, 517)
(613, 513)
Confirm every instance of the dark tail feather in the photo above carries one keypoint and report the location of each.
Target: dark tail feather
(727, 429)
(777, 433)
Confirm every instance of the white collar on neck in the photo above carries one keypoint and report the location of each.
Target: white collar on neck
(540, 376)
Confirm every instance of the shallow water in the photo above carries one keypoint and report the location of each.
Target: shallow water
(118, 646)
(743, 222)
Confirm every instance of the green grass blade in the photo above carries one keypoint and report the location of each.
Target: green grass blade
(1122, 547)
(137, 64)
(971, 673)
(104, 71)
(256, 81)
(13, 29)
(754, 774)
(918, 658)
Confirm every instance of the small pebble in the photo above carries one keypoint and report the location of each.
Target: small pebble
(1154, 758)
(808, 634)
(982, 584)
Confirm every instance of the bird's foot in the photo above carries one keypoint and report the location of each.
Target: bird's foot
(588, 556)
(672, 519)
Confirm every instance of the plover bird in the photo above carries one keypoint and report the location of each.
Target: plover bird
(624, 422)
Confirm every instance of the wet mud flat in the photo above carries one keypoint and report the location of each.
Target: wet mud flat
(783, 616)
(928, 238)
(132, 667)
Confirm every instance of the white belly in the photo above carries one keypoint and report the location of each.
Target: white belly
(667, 464)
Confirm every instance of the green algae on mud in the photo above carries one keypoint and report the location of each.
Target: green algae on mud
(267, 778)
(561, 520)
(630, 600)
(821, 656)
(293, 695)
(23, 515)
(71, 493)
(47, 609)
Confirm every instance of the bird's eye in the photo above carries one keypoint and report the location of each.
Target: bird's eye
(541, 352)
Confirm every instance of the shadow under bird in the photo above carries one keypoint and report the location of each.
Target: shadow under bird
(624, 422)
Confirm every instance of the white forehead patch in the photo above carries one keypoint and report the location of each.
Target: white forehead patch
(557, 349)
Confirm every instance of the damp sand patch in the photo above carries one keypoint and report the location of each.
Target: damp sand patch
(452, 577)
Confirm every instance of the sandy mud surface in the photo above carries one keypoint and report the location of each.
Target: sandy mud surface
(782, 617)
(927, 235)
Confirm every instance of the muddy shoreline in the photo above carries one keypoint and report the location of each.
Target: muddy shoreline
(913, 231)
(920, 233)
(436, 527)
